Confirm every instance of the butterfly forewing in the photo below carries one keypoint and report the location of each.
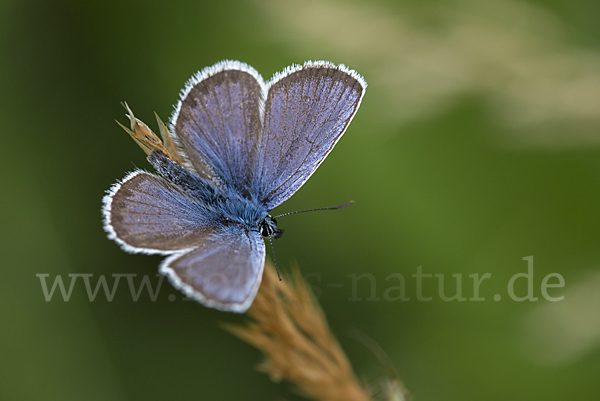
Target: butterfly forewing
(217, 122)
(145, 213)
(224, 273)
(306, 112)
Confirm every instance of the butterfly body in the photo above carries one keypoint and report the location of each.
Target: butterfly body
(246, 146)
(229, 208)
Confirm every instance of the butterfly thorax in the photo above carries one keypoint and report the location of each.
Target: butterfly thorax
(228, 207)
(251, 214)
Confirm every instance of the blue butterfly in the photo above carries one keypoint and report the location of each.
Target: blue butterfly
(246, 147)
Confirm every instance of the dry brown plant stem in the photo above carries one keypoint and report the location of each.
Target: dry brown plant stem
(289, 327)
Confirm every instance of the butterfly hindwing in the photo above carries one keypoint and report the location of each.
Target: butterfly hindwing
(147, 214)
(224, 272)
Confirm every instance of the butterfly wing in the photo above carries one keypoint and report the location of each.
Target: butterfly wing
(147, 214)
(217, 123)
(223, 273)
(306, 112)
(220, 266)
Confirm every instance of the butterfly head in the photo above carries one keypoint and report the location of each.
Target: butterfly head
(268, 228)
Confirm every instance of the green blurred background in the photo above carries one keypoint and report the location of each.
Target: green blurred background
(477, 144)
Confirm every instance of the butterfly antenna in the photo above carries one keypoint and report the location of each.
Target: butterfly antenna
(274, 259)
(319, 208)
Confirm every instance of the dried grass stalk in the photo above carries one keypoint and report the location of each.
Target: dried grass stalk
(148, 140)
(289, 327)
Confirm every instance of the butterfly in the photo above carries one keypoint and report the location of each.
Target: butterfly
(239, 147)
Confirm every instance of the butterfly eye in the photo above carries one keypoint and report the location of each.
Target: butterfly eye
(268, 228)
(264, 229)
